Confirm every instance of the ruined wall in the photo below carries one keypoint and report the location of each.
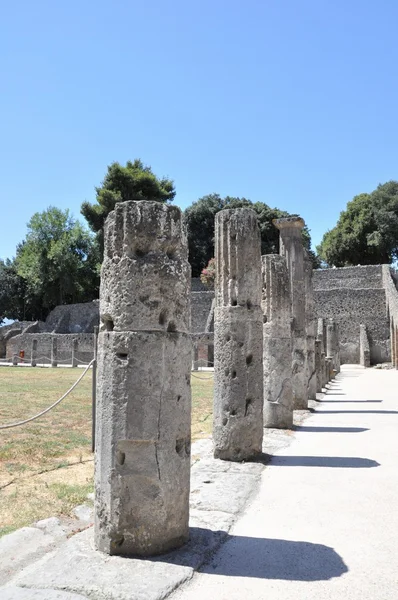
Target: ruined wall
(73, 318)
(24, 342)
(351, 296)
(201, 305)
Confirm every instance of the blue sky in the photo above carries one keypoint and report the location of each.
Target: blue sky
(289, 102)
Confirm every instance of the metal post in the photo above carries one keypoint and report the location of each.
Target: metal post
(94, 389)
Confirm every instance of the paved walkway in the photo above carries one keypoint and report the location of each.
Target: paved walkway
(324, 524)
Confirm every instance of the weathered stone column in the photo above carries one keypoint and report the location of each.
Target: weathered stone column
(75, 345)
(310, 328)
(320, 336)
(277, 343)
(142, 468)
(291, 246)
(238, 337)
(333, 345)
(33, 356)
(318, 365)
(54, 352)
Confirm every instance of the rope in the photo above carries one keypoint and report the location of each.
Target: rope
(43, 412)
(203, 378)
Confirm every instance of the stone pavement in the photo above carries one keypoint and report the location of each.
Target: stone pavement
(319, 520)
(324, 523)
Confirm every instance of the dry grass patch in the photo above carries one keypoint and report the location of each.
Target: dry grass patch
(46, 467)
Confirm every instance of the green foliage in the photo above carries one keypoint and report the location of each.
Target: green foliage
(135, 181)
(15, 303)
(366, 232)
(200, 224)
(57, 263)
(208, 274)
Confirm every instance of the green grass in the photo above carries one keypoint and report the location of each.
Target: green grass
(36, 477)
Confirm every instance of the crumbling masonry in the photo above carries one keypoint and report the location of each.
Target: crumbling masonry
(142, 469)
(238, 337)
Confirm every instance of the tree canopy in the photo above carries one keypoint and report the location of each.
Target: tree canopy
(366, 232)
(135, 181)
(57, 263)
(200, 224)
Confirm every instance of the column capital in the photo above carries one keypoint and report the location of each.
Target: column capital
(289, 223)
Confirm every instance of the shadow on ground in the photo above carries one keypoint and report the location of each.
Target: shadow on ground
(339, 462)
(314, 429)
(265, 558)
(346, 401)
(359, 412)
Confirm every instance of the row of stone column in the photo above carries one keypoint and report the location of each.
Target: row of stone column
(268, 362)
(265, 363)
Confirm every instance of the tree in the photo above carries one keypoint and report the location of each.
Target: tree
(135, 181)
(200, 224)
(366, 232)
(58, 261)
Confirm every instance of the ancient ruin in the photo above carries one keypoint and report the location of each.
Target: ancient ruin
(238, 337)
(143, 392)
(277, 343)
(291, 246)
(309, 329)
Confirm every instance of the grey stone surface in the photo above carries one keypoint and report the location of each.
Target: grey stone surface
(18, 593)
(77, 567)
(21, 547)
(310, 328)
(333, 350)
(318, 366)
(351, 296)
(143, 383)
(33, 356)
(291, 246)
(238, 337)
(54, 353)
(52, 526)
(277, 343)
(84, 513)
(364, 350)
(154, 267)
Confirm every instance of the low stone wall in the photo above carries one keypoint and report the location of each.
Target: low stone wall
(24, 341)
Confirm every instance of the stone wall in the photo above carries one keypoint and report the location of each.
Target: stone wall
(24, 341)
(73, 318)
(368, 276)
(351, 296)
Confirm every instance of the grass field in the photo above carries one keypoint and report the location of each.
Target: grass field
(46, 467)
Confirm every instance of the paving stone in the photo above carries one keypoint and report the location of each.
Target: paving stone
(77, 567)
(18, 593)
(22, 547)
(84, 513)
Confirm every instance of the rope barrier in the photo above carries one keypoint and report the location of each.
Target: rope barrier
(43, 412)
(203, 378)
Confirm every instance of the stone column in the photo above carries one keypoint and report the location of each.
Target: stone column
(291, 247)
(75, 345)
(310, 328)
(142, 468)
(277, 343)
(321, 338)
(396, 347)
(318, 365)
(54, 352)
(328, 369)
(332, 345)
(33, 355)
(238, 337)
